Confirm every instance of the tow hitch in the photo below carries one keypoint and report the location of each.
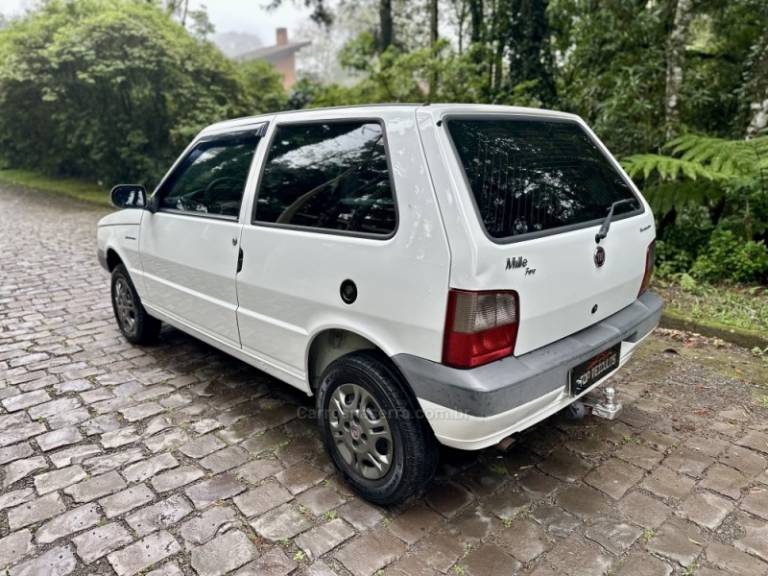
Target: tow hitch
(607, 407)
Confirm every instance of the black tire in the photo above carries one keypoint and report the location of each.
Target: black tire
(134, 322)
(415, 451)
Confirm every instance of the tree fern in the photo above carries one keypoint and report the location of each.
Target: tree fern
(698, 168)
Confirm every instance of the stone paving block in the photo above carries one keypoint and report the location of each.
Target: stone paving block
(159, 516)
(644, 510)
(101, 424)
(97, 465)
(22, 401)
(325, 537)
(73, 455)
(263, 498)
(201, 446)
(53, 408)
(490, 560)
(441, 550)
(253, 472)
(203, 528)
(414, 523)
(125, 501)
(274, 562)
(756, 502)
(744, 460)
(508, 502)
(145, 469)
(100, 541)
(706, 509)
(143, 554)
(366, 554)
(141, 411)
(584, 502)
(15, 452)
(524, 539)
(539, 485)
(16, 497)
(35, 511)
(58, 479)
(557, 521)
(755, 537)
(68, 419)
(75, 520)
(96, 487)
(614, 478)
(14, 547)
(448, 498)
(614, 536)
(19, 469)
(58, 438)
(361, 514)
(756, 441)
(644, 565)
(176, 478)
(725, 480)
(21, 432)
(223, 554)
(665, 483)
(282, 522)
(564, 465)
(167, 440)
(217, 488)
(735, 562)
(576, 556)
(57, 561)
(300, 477)
(169, 569)
(640, 455)
(119, 437)
(320, 499)
(677, 541)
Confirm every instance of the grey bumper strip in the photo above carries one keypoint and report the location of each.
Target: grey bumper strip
(516, 380)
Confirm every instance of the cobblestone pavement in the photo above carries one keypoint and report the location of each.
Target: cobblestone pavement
(177, 459)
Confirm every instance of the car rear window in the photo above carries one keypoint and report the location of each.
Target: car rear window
(533, 176)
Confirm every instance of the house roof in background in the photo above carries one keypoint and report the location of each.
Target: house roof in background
(271, 53)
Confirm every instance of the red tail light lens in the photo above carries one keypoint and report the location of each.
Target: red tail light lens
(649, 258)
(480, 327)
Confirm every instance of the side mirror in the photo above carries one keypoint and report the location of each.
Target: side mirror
(129, 196)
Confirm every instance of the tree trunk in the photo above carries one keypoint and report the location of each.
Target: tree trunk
(433, 36)
(675, 60)
(476, 20)
(387, 28)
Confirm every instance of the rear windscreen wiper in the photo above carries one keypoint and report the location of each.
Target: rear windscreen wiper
(605, 226)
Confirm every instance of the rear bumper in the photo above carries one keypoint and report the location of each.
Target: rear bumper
(471, 409)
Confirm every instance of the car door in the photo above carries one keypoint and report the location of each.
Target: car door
(189, 245)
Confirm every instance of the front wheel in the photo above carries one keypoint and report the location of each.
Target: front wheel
(373, 430)
(136, 325)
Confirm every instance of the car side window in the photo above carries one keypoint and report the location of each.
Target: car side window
(211, 178)
(328, 175)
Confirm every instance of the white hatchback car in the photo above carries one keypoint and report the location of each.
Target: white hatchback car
(436, 273)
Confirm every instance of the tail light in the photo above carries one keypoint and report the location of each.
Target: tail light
(649, 257)
(480, 327)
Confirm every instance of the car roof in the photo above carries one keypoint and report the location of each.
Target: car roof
(436, 110)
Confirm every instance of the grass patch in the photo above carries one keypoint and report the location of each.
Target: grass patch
(79, 189)
(740, 307)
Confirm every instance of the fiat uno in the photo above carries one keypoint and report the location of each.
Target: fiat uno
(431, 274)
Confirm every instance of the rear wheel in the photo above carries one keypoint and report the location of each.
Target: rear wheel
(134, 322)
(372, 429)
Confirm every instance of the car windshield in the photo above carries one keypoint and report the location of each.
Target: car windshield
(531, 176)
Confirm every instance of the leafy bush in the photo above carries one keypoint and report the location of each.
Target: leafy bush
(727, 257)
(111, 89)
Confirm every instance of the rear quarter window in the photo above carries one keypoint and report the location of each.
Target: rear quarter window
(331, 176)
(536, 176)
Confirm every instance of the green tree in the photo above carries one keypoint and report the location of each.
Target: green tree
(111, 89)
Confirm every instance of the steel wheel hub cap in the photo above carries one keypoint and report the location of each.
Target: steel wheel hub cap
(126, 309)
(360, 431)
